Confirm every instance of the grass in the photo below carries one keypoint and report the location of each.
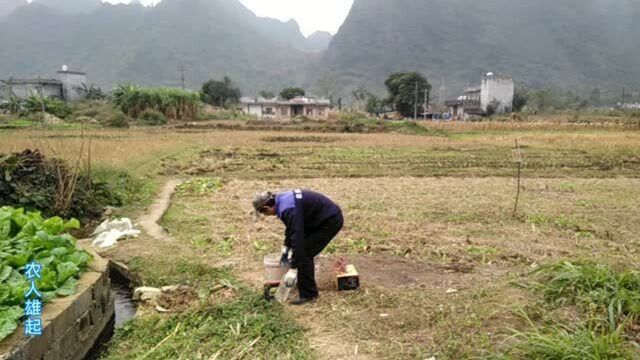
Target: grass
(181, 270)
(231, 320)
(442, 222)
(560, 343)
(608, 302)
(595, 288)
(349, 161)
(245, 327)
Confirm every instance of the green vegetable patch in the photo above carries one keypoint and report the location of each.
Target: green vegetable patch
(26, 237)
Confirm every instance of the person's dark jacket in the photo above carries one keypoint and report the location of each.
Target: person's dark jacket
(302, 212)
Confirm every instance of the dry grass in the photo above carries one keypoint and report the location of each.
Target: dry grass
(130, 148)
(408, 236)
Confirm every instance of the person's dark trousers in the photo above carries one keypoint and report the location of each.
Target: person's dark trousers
(314, 243)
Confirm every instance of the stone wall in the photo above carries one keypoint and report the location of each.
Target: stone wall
(71, 325)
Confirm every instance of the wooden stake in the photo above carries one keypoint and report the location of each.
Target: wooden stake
(517, 157)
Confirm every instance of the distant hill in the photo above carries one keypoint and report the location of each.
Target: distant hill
(565, 43)
(319, 40)
(128, 43)
(8, 6)
(579, 44)
(71, 6)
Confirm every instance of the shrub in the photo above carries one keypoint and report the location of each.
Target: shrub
(173, 103)
(31, 181)
(118, 120)
(152, 117)
(52, 106)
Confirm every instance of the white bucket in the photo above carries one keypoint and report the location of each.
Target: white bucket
(273, 272)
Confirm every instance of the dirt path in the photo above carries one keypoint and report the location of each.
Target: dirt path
(149, 221)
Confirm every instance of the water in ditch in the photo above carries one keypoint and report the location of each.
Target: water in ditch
(125, 310)
(125, 307)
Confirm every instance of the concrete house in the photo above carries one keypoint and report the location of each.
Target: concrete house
(24, 88)
(495, 91)
(63, 87)
(310, 107)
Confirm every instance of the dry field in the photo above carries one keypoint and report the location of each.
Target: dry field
(429, 223)
(437, 256)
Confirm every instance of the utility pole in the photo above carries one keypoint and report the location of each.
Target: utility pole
(42, 107)
(181, 69)
(415, 104)
(426, 103)
(623, 96)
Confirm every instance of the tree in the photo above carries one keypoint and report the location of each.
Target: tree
(595, 97)
(520, 98)
(360, 97)
(292, 92)
(90, 92)
(375, 105)
(542, 99)
(220, 93)
(402, 91)
(13, 105)
(267, 94)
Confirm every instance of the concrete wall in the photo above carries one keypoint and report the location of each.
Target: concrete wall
(70, 81)
(500, 88)
(71, 325)
(254, 109)
(23, 91)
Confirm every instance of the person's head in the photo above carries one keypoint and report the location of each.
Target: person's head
(265, 203)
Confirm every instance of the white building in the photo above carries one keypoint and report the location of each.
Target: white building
(495, 91)
(71, 80)
(277, 108)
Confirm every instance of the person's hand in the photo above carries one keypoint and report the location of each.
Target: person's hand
(285, 259)
(291, 277)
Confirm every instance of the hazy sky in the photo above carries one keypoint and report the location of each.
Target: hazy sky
(312, 15)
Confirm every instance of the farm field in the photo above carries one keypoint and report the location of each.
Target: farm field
(446, 265)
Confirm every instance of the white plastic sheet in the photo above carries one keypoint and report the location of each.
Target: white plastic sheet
(109, 232)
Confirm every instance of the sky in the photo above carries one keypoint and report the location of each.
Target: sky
(312, 15)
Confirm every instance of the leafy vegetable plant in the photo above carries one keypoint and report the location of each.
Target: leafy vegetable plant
(26, 237)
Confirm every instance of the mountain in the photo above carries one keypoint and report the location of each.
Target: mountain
(319, 41)
(9, 6)
(284, 33)
(579, 44)
(564, 43)
(71, 6)
(129, 43)
(288, 33)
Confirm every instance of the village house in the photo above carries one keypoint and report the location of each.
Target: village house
(494, 95)
(313, 108)
(63, 87)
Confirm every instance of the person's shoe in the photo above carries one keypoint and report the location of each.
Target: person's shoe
(302, 301)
